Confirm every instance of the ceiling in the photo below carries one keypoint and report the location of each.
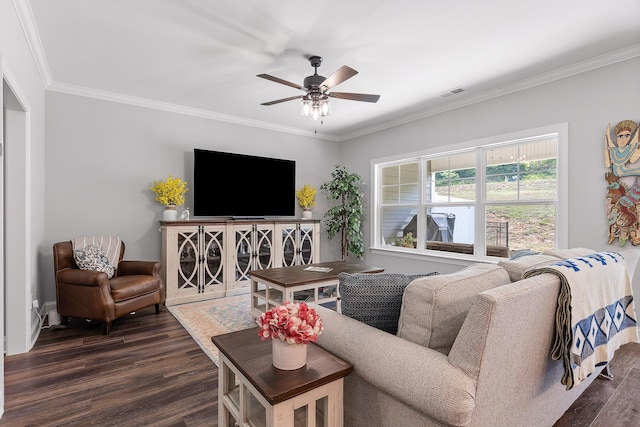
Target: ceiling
(201, 57)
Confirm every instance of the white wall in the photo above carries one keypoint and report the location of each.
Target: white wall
(24, 186)
(102, 156)
(587, 102)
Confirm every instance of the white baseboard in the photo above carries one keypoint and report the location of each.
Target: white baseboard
(36, 325)
(38, 322)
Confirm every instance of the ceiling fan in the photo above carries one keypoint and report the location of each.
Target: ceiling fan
(316, 101)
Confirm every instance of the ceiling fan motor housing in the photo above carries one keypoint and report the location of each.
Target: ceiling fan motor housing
(313, 82)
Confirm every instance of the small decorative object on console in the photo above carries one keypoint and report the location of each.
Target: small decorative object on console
(185, 214)
(291, 327)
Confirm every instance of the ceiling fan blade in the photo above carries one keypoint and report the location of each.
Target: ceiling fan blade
(339, 76)
(355, 96)
(277, 101)
(278, 80)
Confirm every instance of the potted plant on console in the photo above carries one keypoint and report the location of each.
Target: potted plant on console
(306, 199)
(170, 193)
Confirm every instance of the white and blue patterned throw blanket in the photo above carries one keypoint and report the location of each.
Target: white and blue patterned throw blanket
(595, 313)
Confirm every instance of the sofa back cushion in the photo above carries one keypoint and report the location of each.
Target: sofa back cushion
(374, 299)
(434, 308)
(569, 253)
(517, 267)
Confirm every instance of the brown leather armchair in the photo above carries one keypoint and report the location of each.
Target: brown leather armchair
(92, 295)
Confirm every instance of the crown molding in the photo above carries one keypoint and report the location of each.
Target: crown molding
(560, 73)
(25, 16)
(179, 109)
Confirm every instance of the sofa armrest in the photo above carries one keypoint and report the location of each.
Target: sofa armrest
(74, 276)
(413, 374)
(147, 268)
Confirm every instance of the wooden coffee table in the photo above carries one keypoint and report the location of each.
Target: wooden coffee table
(251, 391)
(311, 283)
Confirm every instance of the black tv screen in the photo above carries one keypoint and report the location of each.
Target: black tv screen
(239, 185)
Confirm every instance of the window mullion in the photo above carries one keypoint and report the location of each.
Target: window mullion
(421, 243)
(480, 208)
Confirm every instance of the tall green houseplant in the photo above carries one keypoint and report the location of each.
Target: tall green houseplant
(345, 217)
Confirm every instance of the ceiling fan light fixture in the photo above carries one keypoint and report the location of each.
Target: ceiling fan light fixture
(325, 107)
(315, 105)
(305, 107)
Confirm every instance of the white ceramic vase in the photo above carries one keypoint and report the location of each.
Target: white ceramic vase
(288, 356)
(170, 213)
(306, 213)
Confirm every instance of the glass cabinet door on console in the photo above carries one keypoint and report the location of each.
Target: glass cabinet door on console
(195, 263)
(298, 244)
(252, 249)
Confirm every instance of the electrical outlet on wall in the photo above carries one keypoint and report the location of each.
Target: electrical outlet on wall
(35, 304)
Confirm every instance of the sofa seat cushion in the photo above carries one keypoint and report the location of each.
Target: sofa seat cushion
(374, 299)
(517, 267)
(434, 308)
(126, 287)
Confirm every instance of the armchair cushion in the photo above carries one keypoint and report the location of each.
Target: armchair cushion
(374, 299)
(126, 287)
(92, 258)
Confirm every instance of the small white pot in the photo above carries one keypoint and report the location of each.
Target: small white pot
(288, 356)
(170, 213)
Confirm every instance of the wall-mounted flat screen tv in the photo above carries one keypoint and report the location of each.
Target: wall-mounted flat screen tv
(242, 186)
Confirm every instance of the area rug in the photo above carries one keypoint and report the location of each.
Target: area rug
(205, 319)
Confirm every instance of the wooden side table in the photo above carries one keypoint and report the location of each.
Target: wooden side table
(252, 392)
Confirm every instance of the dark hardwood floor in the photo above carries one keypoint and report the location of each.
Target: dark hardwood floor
(150, 372)
(610, 403)
(147, 372)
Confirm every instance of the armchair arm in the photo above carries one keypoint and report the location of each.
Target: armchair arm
(415, 375)
(75, 276)
(147, 268)
(85, 294)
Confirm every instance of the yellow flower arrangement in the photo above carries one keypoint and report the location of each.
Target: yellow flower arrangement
(171, 191)
(306, 196)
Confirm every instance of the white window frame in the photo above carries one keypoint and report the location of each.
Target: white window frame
(562, 182)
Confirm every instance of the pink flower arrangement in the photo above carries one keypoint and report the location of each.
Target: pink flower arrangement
(294, 323)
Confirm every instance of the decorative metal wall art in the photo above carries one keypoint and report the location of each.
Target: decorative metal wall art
(622, 155)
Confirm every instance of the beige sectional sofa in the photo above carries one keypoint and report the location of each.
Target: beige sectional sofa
(472, 349)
